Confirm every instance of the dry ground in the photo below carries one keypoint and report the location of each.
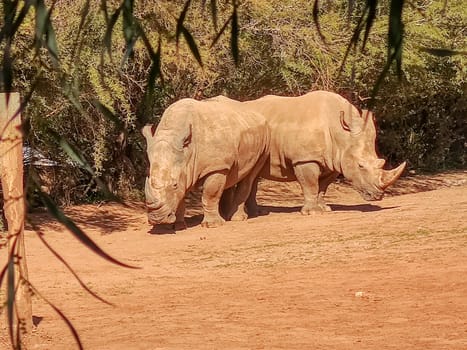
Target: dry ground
(381, 275)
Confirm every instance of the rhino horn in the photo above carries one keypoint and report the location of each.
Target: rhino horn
(367, 116)
(388, 177)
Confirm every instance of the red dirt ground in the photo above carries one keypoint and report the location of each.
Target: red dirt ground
(380, 275)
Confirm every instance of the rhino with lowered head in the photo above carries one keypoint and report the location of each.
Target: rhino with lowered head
(316, 137)
(218, 143)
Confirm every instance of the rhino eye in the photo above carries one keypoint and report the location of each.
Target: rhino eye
(361, 166)
(175, 186)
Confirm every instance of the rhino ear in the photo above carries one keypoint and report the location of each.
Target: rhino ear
(187, 137)
(350, 122)
(148, 131)
(345, 123)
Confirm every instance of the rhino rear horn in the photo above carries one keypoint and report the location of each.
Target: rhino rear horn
(367, 116)
(390, 176)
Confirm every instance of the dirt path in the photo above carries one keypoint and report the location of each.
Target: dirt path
(381, 275)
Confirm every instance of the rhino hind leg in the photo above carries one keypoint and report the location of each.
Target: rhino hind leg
(308, 177)
(226, 202)
(245, 193)
(251, 204)
(241, 194)
(180, 223)
(212, 192)
(324, 183)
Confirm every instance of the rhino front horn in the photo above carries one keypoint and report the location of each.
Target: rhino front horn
(390, 176)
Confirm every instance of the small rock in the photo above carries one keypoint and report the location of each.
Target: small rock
(359, 294)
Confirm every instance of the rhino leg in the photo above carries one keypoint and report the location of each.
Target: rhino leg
(212, 192)
(324, 182)
(245, 193)
(180, 223)
(225, 204)
(242, 193)
(251, 204)
(308, 177)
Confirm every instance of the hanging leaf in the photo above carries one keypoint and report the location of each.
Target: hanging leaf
(130, 32)
(107, 113)
(371, 5)
(7, 69)
(10, 29)
(106, 11)
(219, 34)
(84, 14)
(11, 293)
(234, 35)
(129, 50)
(442, 52)
(69, 268)
(353, 41)
(109, 31)
(192, 45)
(213, 6)
(395, 34)
(181, 19)
(41, 20)
(155, 68)
(76, 231)
(51, 42)
(316, 21)
(81, 161)
(59, 313)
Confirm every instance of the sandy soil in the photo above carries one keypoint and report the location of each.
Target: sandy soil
(381, 275)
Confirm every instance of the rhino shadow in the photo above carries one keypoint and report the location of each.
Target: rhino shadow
(364, 208)
(107, 219)
(169, 229)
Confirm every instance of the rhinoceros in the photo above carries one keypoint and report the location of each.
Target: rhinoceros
(316, 137)
(218, 143)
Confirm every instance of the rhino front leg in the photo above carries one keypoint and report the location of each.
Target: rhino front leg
(212, 192)
(308, 177)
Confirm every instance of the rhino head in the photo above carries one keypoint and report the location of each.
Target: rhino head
(166, 183)
(359, 162)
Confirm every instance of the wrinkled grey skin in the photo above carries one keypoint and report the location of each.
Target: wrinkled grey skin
(316, 137)
(217, 143)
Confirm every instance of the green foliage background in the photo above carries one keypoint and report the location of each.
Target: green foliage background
(422, 115)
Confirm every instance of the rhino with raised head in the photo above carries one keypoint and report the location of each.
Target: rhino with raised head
(218, 143)
(316, 137)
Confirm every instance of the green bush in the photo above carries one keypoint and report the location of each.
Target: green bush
(421, 115)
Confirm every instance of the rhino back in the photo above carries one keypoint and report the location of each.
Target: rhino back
(302, 129)
(225, 135)
(238, 137)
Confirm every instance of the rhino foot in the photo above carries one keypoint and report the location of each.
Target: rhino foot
(239, 216)
(312, 209)
(211, 223)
